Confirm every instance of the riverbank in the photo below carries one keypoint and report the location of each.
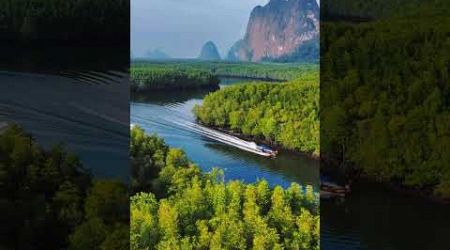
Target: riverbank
(163, 111)
(251, 78)
(355, 176)
(136, 89)
(393, 128)
(282, 114)
(159, 78)
(177, 184)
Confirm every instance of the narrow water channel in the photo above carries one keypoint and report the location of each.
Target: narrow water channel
(161, 113)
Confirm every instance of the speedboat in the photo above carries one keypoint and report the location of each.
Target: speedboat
(267, 150)
(330, 190)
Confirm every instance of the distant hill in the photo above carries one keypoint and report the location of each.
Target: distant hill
(209, 52)
(157, 54)
(282, 30)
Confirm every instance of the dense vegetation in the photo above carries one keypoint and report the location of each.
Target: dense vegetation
(385, 98)
(71, 21)
(366, 10)
(159, 78)
(49, 201)
(182, 208)
(262, 71)
(284, 114)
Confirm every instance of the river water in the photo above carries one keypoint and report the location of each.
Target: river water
(85, 110)
(375, 218)
(162, 112)
(88, 112)
(372, 217)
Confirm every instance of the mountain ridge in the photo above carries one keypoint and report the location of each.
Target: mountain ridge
(278, 31)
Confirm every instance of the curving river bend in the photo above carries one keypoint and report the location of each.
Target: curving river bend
(371, 218)
(161, 113)
(61, 108)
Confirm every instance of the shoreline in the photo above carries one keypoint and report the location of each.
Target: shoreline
(351, 174)
(267, 79)
(356, 176)
(135, 89)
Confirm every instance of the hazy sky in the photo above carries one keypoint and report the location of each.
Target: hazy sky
(181, 27)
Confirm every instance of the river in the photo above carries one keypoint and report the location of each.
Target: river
(376, 217)
(372, 217)
(85, 110)
(59, 107)
(161, 113)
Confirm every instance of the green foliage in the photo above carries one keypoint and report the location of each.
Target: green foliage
(263, 71)
(107, 200)
(148, 156)
(47, 198)
(45, 190)
(378, 9)
(89, 235)
(155, 77)
(285, 114)
(92, 20)
(106, 210)
(385, 98)
(211, 214)
(201, 211)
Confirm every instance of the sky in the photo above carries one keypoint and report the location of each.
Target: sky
(181, 27)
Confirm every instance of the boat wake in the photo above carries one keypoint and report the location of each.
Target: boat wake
(177, 121)
(228, 139)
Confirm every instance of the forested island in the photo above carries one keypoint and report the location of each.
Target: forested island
(284, 115)
(385, 95)
(281, 114)
(176, 206)
(50, 201)
(167, 78)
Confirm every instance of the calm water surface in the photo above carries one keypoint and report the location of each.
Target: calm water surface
(376, 217)
(371, 218)
(160, 112)
(86, 111)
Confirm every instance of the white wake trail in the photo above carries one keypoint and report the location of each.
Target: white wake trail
(223, 137)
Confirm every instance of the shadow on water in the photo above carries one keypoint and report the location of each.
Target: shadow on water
(377, 216)
(162, 97)
(304, 168)
(165, 98)
(373, 217)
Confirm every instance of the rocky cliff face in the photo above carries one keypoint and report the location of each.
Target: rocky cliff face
(209, 52)
(282, 30)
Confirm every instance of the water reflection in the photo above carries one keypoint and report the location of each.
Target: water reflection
(374, 217)
(166, 98)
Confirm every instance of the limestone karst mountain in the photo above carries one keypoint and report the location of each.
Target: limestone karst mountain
(282, 30)
(209, 52)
